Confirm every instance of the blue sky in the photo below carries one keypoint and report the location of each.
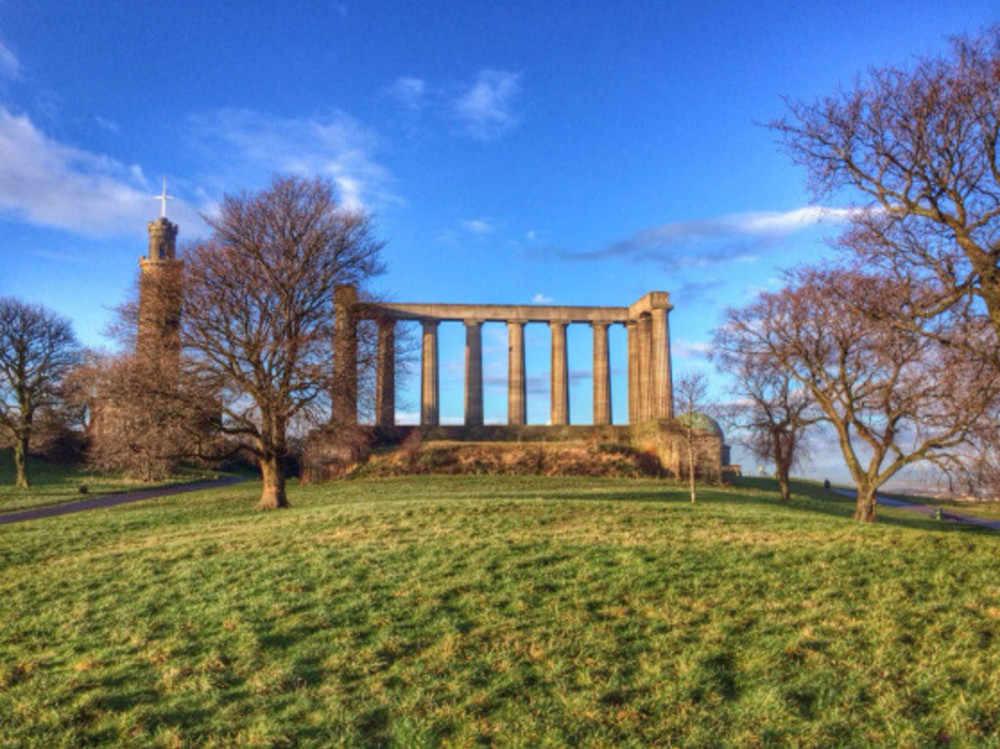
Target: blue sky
(566, 152)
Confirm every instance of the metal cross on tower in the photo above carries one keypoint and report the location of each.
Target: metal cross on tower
(163, 198)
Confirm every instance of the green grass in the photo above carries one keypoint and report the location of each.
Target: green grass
(515, 610)
(989, 510)
(53, 483)
(814, 489)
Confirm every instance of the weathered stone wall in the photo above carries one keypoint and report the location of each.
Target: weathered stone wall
(330, 452)
(157, 336)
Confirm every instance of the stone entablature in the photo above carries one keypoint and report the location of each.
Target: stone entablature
(648, 356)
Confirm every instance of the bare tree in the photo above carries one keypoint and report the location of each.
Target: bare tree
(257, 310)
(894, 397)
(690, 393)
(774, 410)
(37, 348)
(975, 471)
(146, 415)
(920, 146)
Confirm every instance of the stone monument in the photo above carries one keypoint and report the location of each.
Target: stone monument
(651, 426)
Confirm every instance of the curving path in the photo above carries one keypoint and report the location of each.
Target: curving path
(930, 510)
(110, 500)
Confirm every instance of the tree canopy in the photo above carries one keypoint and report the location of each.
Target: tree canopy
(894, 397)
(919, 146)
(37, 349)
(258, 310)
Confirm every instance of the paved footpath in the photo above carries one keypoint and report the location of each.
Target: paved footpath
(110, 500)
(932, 511)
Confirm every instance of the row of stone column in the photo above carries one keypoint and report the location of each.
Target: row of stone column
(516, 378)
(648, 358)
(649, 377)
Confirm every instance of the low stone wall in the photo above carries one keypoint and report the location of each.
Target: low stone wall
(331, 452)
(513, 458)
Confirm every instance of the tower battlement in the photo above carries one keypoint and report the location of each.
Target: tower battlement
(162, 241)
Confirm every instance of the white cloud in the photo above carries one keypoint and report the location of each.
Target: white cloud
(479, 226)
(48, 183)
(540, 298)
(409, 91)
(482, 109)
(336, 146)
(736, 237)
(407, 417)
(136, 172)
(10, 67)
(788, 221)
(106, 124)
(485, 109)
(684, 349)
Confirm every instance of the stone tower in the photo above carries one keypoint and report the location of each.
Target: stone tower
(157, 338)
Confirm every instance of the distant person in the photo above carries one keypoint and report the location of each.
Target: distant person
(826, 484)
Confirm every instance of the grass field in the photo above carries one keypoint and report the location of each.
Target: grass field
(989, 510)
(53, 484)
(515, 610)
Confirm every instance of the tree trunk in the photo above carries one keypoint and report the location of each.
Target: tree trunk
(865, 509)
(691, 468)
(786, 492)
(272, 473)
(782, 467)
(21, 463)
(989, 282)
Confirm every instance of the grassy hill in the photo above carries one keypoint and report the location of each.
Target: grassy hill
(479, 609)
(58, 483)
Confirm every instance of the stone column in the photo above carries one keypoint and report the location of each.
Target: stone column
(644, 329)
(473, 373)
(385, 374)
(661, 396)
(670, 372)
(601, 375)
(559, 390)
(516, 403)
(344, 395)
(633, 371)
(429, 400)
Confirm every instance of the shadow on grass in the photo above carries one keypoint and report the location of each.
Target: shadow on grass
(42, 474)
(807, 499)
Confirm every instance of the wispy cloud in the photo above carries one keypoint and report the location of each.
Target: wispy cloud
(336, 146)
(684, 349)
(479, 226)
(692, 291)
(10, 66)
(485, 108)
(407, 417)
(48, 183)
(106, 124)
(409, 91)
(730, 238)
(540, 298)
